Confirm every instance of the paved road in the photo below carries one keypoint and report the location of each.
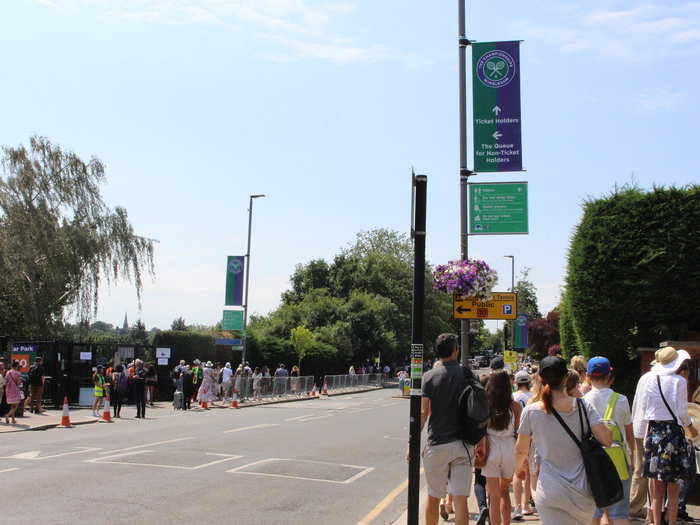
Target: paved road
(316, 461)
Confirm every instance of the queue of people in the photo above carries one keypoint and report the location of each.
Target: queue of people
(538, 418)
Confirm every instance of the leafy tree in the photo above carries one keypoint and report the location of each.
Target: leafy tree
(527, 295)
(543, 333)
(302, 340)
(59, 240)
(178, 324)
(138, 332)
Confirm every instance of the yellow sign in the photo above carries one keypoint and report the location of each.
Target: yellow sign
(509, 356)
(500, 305)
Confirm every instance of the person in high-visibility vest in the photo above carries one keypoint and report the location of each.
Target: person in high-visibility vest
(98, 379)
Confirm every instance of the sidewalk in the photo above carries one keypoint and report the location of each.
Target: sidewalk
(51, 418)
(693, 511)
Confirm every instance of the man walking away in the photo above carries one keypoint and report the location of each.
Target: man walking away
(445, 457)
(36, 385)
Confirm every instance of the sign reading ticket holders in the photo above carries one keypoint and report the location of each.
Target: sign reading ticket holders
(496, 84)
(416, 370)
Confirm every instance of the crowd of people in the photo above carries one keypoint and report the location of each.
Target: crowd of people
(538, 416)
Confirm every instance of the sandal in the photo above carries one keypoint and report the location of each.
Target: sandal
(443, 512)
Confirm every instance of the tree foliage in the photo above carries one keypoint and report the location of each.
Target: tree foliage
(59, 241)
(302, 340)
(359, 305)
(633, 276)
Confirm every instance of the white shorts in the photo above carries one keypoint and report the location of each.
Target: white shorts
(501, 460)
(448, 463)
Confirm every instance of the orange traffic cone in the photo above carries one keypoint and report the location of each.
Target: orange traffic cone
(205, 405)
(234, 401)
(106, 413)
(65, 417)
(325, 387)
(314, 392)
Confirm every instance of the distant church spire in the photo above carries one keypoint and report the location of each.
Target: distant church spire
(125, 327)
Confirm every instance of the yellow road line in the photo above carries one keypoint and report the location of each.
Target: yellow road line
(382, 505)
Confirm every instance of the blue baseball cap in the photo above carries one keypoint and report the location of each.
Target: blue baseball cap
(599, 366)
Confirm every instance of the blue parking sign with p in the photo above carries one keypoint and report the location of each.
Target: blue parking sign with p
(507, 309)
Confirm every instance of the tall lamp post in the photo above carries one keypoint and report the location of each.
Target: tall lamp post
(512, 289)
(247, 279)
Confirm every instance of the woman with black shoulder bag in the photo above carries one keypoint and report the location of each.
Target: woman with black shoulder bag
(561, 428)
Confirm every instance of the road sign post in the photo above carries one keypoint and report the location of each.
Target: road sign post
(420, 185)
(498, 208)
(497, 121)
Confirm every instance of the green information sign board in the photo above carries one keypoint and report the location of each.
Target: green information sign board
(498, 208)
(233, 320)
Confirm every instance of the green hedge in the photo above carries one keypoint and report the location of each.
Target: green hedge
(633, 274)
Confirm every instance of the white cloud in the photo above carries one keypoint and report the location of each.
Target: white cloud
(282, 30)
(646, 31)
(658, 101)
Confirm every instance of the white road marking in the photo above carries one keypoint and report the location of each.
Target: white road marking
(312, 418)
(9, 470)
(146, 445)
(299, 417)
(104, 460)
(358, 410)
(252, 427)
(396, 438)
(34, 454)
(363, 472)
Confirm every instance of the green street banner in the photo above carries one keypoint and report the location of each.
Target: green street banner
(498, 208)
(520, 339)
(496, 90)
(233, 320)
(234, 280)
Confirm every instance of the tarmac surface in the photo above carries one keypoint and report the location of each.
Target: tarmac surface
(328, 460)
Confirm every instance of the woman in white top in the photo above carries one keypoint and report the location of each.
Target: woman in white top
(563, 495)
(663, 404)
(500, 464)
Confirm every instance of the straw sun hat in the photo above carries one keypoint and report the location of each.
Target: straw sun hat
(668, 360)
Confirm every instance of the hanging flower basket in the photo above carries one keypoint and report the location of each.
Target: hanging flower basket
(472, 277)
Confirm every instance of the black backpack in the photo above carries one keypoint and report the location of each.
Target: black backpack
(472, 410)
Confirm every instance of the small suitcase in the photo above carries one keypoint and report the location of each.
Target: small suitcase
(178, 400)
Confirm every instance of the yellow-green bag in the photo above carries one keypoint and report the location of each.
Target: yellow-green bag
(617, 451)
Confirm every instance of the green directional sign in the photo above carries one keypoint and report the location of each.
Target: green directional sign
(498, 208)
(233, 320)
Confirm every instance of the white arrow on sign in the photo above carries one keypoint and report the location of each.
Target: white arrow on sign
(497, 135)
(496, 110)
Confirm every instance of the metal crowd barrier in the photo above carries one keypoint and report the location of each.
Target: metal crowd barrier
(348, 383)
(249, 389)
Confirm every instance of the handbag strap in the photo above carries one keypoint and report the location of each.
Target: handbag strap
(581, 408)
(663, 398)
(566, 427)
(610, 409)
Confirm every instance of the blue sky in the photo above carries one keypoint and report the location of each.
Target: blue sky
(324, 106)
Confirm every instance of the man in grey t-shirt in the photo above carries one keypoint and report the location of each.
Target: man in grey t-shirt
(445, 457)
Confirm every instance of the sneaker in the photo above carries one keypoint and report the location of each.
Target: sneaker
(527, 511)
(517, 514)
(483, 516)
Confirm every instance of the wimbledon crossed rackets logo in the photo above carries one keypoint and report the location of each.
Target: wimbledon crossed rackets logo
(234, 266)
(496, 68)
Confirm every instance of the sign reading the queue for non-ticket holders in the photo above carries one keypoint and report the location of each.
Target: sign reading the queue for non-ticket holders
(496, 91)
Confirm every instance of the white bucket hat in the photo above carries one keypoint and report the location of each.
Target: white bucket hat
(668, 360)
